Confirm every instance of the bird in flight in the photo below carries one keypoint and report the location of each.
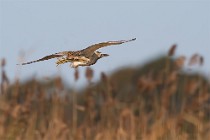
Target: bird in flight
(84, 57)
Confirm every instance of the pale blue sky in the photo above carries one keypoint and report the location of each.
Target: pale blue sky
(43, 27)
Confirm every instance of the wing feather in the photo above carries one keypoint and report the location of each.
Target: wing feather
(91, 49)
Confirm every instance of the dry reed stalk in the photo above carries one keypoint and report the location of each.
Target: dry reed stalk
(121, 134)
(147, 84)
(58, 83)
(196, 122)
(74, 117)
(167, 68)
(191, 86)
(104, 77)
(4, 83)
(89, 74)
(74, 106)
(80, 108)
(179, 62)
(76, 74)
(172, 77)
(30, 132)
(99, 136)
(107, 134)
(127, 124)
(2, 125)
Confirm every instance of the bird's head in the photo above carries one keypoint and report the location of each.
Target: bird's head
(100, 55)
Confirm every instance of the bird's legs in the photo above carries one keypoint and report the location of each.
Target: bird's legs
(79, 58)
(76, 60)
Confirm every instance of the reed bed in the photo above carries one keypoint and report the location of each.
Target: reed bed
(156, 102)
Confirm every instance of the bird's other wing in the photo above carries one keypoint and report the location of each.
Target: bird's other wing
(56, 55)
(91, 49)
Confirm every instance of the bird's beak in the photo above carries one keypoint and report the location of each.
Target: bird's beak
(104, 55)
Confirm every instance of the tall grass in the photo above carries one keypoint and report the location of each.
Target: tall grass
(158, 104)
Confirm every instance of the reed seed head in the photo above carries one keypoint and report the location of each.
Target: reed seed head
(172, 50)
(89, 74)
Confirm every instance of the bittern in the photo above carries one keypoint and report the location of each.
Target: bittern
(84, 57)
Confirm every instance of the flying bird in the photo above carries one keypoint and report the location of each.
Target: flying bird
(84, 57)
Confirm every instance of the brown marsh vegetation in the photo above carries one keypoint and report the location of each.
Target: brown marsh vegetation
(155, 102)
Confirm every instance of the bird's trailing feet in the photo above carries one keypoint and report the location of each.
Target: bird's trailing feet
(77, 60)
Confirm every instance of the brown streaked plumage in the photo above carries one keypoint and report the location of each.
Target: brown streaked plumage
(84, 57)
(93, 59)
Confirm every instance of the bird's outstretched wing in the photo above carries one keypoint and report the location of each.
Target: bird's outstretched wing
(56, 55)
(91, 49)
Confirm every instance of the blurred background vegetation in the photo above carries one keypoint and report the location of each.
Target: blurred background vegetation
(157, 101)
